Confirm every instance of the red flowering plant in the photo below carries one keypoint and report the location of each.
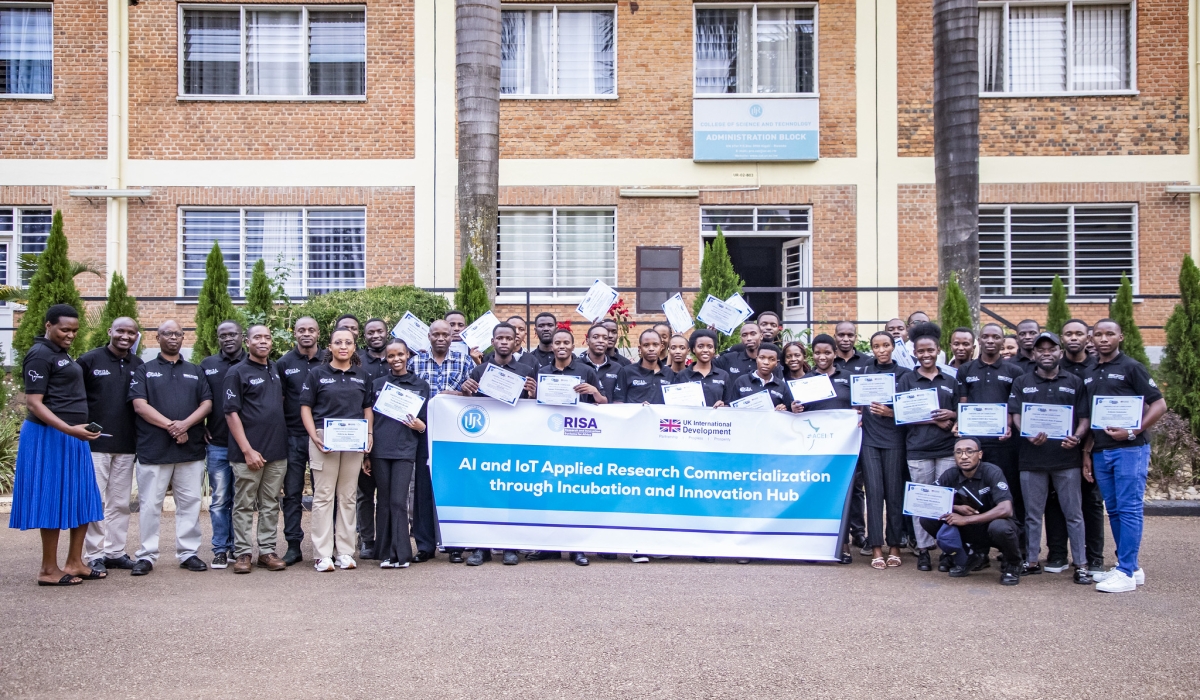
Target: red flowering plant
(621, 314)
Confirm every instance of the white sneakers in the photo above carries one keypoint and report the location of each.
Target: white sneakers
(345, 561)
(639, 558)
(1116, 581)
(392, 564)
(325, 564)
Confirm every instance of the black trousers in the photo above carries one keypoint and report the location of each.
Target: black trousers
(1002, 533)
(424, 513)
(1093, 525)
(1006, 455)
(293, 489)
(883, 473)
(391, 478)
(365, 502)
(858, 525)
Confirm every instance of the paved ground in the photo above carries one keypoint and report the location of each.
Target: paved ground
(667, 629)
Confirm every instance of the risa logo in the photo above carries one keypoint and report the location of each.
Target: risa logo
(34, 375)
(328, 380)
(579, 426)
(190, 376)
(210, 372)
(101, 372)
(154, 374)
(1029, 390)
(64, 363)
(256, 381)
(290, 372)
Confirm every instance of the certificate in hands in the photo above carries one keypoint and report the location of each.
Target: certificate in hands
(811, 389)
(677, 313)
(1117, 412)
(755, 402)
(397, 403)
(685, 394)
(597, 302)
(557, 389)
(413, 332)
(927, 500)
(866, 389)
(720, 315)
(478, 335)
(501, 384)
(345, 435)
(915, 406)
(982, 419)
(1057, 422)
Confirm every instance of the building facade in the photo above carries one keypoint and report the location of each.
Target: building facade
(321, 138)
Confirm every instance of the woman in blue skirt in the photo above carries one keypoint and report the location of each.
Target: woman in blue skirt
(55, 486)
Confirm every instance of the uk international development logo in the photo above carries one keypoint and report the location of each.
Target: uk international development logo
(473, 421)
(669, 425)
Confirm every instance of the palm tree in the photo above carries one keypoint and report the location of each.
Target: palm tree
(956, 144)
(477, 24)
(28, 265)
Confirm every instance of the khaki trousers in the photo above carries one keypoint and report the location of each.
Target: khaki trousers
(256, 490)
(333, 474)
(106, 538)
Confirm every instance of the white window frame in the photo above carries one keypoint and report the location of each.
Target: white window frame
(503, 297)
(1009, 297)
(242, 97)
(1070, 46)
(245, 281)
(754, 42)
(554, 51)
(53, 69)
(13, 238)
(706, 236)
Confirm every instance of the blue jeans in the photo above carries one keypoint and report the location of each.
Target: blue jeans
(220, 479)
(1121, 476)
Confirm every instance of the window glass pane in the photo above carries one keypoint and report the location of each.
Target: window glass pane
(525, 52)
(336, 250)
(657, 267)
(1104, 238)
(585, 53)
(3, 267)
(212, 52)
(991, 49)
(274, 53)
(991, 252)
(34, 231)
(785, 49)
(277, 237)
(337, 53)
(586, 248)
(1040, 242)
(201, 229)
(6, 220)
(659, 258)
(783, 220)
(1101, 47)
(727, 220)
(26, 54)
(723, 58)
(1037, 38)
(525, 249)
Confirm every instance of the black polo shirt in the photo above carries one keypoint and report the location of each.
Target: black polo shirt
(1025, 363)
(255, 393)
(636, 384)
(856, 364)
(739, 364)
(881, 431)
(620, 359)
(748, 384)
(538, 358)
(577, 368)
(176, 390)
(840, 379)
(1123, 376)
(715, 384)
(1079, 369)
(979, 382)
(393, 439)
(927, 440)
(106, 378)
(48, 370)
(374, 367)
(987, 486)
(606, 373)
(514, 366)
(334, 393)
(215, 368)
(518, 356)
(293, 370)
(1064, 390)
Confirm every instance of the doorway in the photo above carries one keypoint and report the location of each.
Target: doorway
(759, 262)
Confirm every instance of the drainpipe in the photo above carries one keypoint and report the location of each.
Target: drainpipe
(116, 242)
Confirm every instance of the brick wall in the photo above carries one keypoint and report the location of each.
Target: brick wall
(84, 224)
(75, 123)
(163, 127)
(1154, 122)
(652, 116)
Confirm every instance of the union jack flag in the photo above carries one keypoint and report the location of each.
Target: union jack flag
(669, 425)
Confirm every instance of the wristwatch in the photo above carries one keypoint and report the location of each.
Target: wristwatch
(1132, 435)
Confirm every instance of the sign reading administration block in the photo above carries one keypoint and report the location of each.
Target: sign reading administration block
(755, 129)
(641, 479)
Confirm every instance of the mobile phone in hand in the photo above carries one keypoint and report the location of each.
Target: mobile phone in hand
(94, 427)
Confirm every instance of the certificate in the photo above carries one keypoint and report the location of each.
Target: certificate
(1057, 422)
(948, 369)
(927, 500)
(720, 315)
(478, 335)
(557, 389)
(903, 357)
(677, 313)
(461, 348)
(597, 302)
(811, 389)
(737, 302)
(915, 406)
(398, 403)
(982, 419)
(1117, 412)
(349, 435)
(866, 389)
(413, 332)
(756, 402)
(685, 394)
(501, 384)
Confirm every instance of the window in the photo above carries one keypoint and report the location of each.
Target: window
(321, 250)
(553, 51)
(756, 48)
(757, 221)
(556, 248)
(26, 50)
(657, 267)
(28, 229)
(1072, 47)
(1022, 248)
(273, 53)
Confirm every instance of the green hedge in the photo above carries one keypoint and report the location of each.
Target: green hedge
(388, 303)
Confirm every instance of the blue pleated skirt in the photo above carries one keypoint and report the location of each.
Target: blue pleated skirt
(55, 482)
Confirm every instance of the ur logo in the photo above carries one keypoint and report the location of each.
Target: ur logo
(756, 110)
(473, 421)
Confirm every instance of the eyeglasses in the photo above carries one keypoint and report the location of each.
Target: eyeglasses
(171, 334)
(966, 453)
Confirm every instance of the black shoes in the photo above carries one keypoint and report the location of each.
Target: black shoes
(858, 540)
(366, 550)
(579, 559)
(957, 571)
(923, 562)
(609, 557)
(193, 563)
(706, 560)
(123, 562)
(978, 561)
(1057, 566)
(142, 567)
(1011, 575)
(456, 556)
(423, 556)
(220, 561)
(1082, 576)
(1028, 569)
(543, 556)
(478, 557)
(511, 558)
(945, 561)
(293, 554)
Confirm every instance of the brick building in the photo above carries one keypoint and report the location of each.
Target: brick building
(323, 135)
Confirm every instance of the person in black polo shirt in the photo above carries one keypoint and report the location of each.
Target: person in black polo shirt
(882, 462)
(1027, 332)
(566, 362)
(962, 346)
(504, 339)
(982, 515)
(518, 353)
(614, 334)
(220, 477)
(106, 374)
(678, 349)
(1045, 460)
(643, 382)
(543, 353)
(795, 360)
(597, 356)
(930, 445)
(257, 450)
(764, 378)
(393, 457)
(713, 380)
(825, 357)
(293, 369)
(845, 354)
(1119, 458)
(742, 362)
(768, 323)
(171, 399)
(375, 335)
(374, 365)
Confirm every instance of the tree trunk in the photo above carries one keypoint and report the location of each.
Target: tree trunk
(478, 74)
(956, 144)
